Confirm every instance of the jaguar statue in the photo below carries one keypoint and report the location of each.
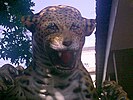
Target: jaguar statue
(56, 71)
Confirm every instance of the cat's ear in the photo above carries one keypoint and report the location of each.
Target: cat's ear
(30, 22)
(90, 25)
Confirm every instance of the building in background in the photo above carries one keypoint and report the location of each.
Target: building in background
(88, 59)
(114, 43)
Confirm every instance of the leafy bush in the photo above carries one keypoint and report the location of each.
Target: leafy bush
(15, 43)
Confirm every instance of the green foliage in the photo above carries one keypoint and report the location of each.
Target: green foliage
(14, 43)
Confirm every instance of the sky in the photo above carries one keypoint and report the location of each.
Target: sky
(86, 8)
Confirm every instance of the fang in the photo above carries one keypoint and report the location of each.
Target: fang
(59, 54)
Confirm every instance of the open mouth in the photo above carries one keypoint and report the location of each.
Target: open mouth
(63, 59)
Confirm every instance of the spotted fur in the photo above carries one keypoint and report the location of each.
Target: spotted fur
(111, 90)
(56, 72)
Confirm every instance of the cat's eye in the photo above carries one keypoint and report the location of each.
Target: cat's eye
(74, 27)
(52, 28)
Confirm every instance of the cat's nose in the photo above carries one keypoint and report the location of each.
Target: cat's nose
(67, 43)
